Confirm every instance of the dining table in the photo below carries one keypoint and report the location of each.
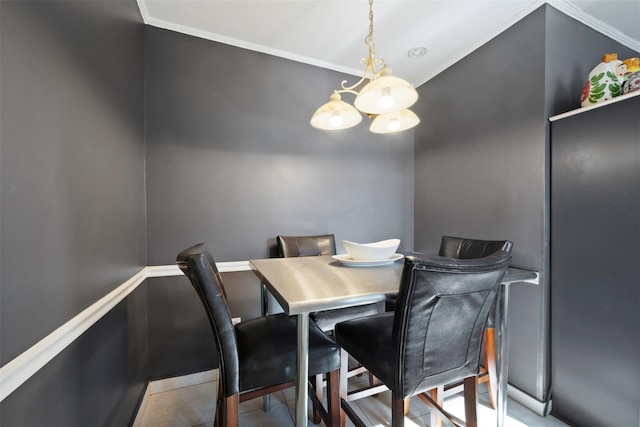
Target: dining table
(302, 285)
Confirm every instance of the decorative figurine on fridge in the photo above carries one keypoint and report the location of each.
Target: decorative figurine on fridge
(632, 78)
(605, 81)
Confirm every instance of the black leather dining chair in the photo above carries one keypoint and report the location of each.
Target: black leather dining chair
(465, 248)
(324, 244)
(257, 356)
(434, 336)
(296, 246)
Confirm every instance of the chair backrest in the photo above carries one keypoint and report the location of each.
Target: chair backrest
(442, 309)
(198, 265)
(297, 246)
(463, 248)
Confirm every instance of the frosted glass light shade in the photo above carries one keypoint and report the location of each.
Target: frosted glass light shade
(335, 115)
(374, 97)
(394, 122)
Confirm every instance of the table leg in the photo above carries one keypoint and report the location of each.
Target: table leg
(343, 384)
(302, 393)
(502, 368)
(344, 373)
(264, 298)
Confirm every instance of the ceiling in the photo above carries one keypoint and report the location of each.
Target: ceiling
(330, 33)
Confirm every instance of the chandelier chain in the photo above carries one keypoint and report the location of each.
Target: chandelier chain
(369, 39)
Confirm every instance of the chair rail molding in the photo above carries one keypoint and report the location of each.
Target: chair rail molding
(17, 371)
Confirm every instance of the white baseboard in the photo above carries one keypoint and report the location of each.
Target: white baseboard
(160, 386)
(540, 408)
(174, 383)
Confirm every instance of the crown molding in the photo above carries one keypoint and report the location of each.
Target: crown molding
(159, 23)
(142, 6)
(563, 6)
(572, 11)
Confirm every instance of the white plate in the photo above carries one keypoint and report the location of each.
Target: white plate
(347, 260)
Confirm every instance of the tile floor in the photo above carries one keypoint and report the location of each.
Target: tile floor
(191, 404)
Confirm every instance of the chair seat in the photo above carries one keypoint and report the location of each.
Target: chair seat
(369, 341)
(267, 351)
(326, 320)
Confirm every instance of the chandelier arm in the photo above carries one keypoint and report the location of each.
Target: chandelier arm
(369, 72)
(370, 62)
(347, 90)
(352, 88)
(369, 100)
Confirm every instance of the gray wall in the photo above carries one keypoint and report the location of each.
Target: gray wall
(232, 161)
(480, 165)
(481, 162)
(72, 211)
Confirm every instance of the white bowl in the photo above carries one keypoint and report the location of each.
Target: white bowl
(371, 251)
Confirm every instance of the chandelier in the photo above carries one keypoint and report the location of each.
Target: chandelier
(382, 97)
